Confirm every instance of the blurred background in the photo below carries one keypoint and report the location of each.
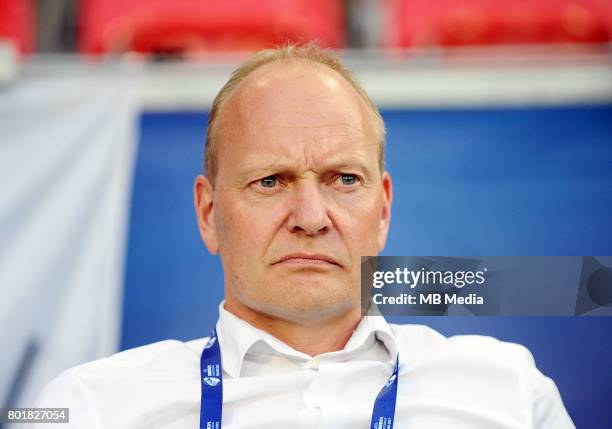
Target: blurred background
(499, 119)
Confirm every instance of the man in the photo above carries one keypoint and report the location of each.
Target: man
(295, 194)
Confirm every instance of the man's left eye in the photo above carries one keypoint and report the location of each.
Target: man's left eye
(348, 179)
(268, 182)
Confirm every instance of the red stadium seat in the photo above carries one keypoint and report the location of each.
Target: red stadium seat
(495, 22)
(174, 26)
(17, 23)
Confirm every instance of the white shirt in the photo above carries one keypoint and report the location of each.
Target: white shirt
(459, 382)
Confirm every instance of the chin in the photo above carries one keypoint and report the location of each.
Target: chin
(308, 303)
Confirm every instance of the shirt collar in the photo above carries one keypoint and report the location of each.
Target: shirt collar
(237, 337)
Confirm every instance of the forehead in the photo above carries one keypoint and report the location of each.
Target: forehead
(289, 108)
(285, 87)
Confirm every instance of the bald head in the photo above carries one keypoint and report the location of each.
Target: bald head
(286, 83)
(291, 99)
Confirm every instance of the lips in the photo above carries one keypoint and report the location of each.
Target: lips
(308, 259)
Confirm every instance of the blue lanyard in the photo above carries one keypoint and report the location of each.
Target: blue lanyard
(211, 405)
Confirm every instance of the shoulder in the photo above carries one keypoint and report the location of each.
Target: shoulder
(150, 356)
(501, 374)
(160, 360)
(152, 379)
(423, 342)
(466, 360)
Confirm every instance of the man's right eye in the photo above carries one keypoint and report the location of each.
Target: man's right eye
(268, 182)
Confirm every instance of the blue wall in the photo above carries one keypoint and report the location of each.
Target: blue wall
(529, 181)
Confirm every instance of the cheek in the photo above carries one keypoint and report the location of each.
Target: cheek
(358, 220)
(244, 223)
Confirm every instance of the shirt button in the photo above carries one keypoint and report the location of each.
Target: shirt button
(309, 417)
(313, 364)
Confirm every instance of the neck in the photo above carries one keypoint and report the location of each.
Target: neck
(310, 337)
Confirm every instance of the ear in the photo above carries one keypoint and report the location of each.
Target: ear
(203, 200)
(385, 219)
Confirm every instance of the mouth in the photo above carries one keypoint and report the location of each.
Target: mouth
(305, 259)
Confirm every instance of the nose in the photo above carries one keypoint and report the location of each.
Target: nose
(308, 211)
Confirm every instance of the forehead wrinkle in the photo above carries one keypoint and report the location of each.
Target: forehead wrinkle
(275, 164)
(353, 127)
(312, 153)
(354, 158)
(318, 163)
